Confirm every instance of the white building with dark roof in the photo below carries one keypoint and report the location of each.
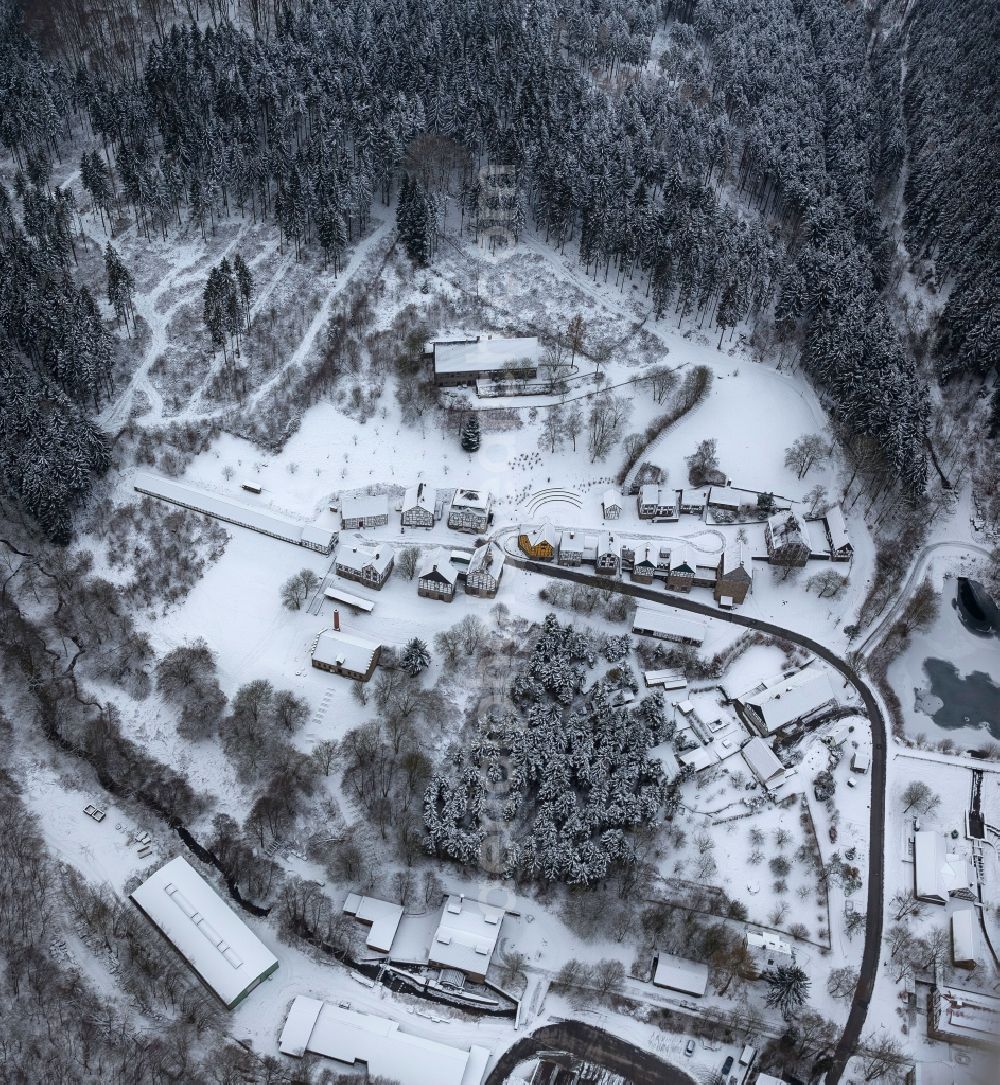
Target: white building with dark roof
(364, 510)
(467, 936)
(230, 959)
(377, 1046)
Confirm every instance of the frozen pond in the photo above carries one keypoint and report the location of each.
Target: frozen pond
(966, 701)
(948, 680)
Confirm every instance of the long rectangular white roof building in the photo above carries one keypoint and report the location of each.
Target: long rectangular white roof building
(363, 506)
(668, 624)
(486, 355)
(312, 536)
(215, 942)
(680, 974)
(963, 938)
(321, 1028)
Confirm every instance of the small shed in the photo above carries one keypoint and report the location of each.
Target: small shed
(861, 761)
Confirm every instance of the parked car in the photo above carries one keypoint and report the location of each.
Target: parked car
(727, 1066)
(689, 1047)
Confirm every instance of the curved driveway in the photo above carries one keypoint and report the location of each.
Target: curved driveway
(851, 1037)
(918, 571)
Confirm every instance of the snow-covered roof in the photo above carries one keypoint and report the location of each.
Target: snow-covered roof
(543, 533)
(680, 974)
(762, 760)
(486, 354)
(789, 527)
(387, 1053)
(699, 758)
(785, 700)
(736, 556)
(651, 494)
(963, 936)
(364, 506)
(356, 558)
(936, 873)
(837, 527)
(314, 535)
(682, 557)
(438, 561)
(729, 496)
(346, 597)
(217, 944)
(606, 545)
(346, 650)
(644, 555)
(612, 497)
(571, 542)
(234, 512)
(467, 935)
(488, 558)
(472, 499)
(769, 941)
(383, 917)
(861, 761)
(968, 1015)
(665, 678)
(668, 623)
(770, 1079)
(420, 496)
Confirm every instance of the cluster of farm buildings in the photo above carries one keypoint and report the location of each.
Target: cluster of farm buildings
(232, 962)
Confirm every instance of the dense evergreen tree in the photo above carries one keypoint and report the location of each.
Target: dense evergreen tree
(471, 435)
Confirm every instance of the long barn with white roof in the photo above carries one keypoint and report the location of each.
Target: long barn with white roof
(230, 959)
(378, 1046)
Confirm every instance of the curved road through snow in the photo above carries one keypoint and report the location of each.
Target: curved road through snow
(919, 569)
(851, 1037)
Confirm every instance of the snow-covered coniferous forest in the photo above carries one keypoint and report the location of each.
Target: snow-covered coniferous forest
(500, 542)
